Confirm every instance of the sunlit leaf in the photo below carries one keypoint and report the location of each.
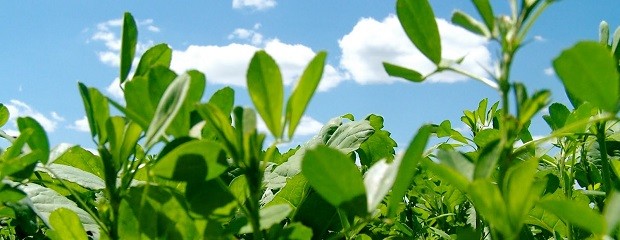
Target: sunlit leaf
(66, 225)
(333, 175)
(579, 214)
(589, 65)
(266, 90)
(301, 95)
(194, 160)
(38, 140)
(159, 54)
(4, 114)
(418, 21)
(486, 12)
(402, 72)
(129, 39)
(468, 22)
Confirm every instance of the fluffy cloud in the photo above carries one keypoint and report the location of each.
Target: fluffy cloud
(254, 4)
(372, 42)
(307, 126)
(228, 64)
(20, 109)
(549, 71)
(248, 34)
(80, 125)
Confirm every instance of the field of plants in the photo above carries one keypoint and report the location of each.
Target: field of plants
(171, 166)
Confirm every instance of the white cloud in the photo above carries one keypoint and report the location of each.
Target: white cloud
(372, 42)
(549, 71)
(254, 4)
(106, 33)
(307, 126)
(228, 64)
(539, 38)
(250, 35)
(80, 125)
(20, 109)
(114, 89)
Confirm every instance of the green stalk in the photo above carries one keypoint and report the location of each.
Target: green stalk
(600, 137)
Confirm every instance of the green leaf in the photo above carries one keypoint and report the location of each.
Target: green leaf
(296, 231)
(486, 12)
(603, 33)
(409, 162)
(269, 216)
(303, 91)
(4, 114)
(519, 192)
(154, 212)
(44, 201)
(615, 43)
(210, 198)
(38, 140)
(336, 178)
(533, 105)
(589, 65)
(129, 40)
(192, 161)
(468, 22)
(418, 21)
(489, 203)
(266, 90)
(459, 163)
(66, 225)
(379, 145)
(293, 193)
(219, 122)
(612, 213)
(486, 136)
(402, 72)
(10, 194)
(159, 54)
(74, 175)
(97, 111)
(378, 181)
(80, 158)
(349, 136)
(580, 215)
(168, 107)
(224, 99)
(487, 161)
(558, 113)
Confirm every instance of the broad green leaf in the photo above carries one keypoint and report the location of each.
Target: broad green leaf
(612, 212)
(459, 163)
(219, 122)
(210, 198)
(349, 136)
(168, 107)
(303, 91)
(80, 158)
(192, 161)
(296, 231)
(17, 146)
(589, 65)
(519, 192)
(269, 216)
(333, 175)
(558, 113)
(293, 193)
(413, 155)
(546, 220)
(159, 54)
(115, 126)
(4, 114)
(486, 12)
(402, 72)
(139, 106)
(316, 213)
(21, 167)
(418, 21)
(468, 22)
(74, 175)
(10, 194)
(379, 145)
(129, 39)
(154, 212)
(224, 99)
(66, 225)
(486, 136)
(489, 203)
(533, 105)
(264, 82)
(580, 215)
(581, 114)
(487, 161)
(44, 201)
(38, 139)
(97, 111)
(378, 181)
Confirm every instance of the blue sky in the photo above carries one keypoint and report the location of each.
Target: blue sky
(48, 46)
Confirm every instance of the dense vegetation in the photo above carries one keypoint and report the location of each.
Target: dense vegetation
(173, 167)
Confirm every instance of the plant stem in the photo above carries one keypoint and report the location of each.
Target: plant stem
(600, 137)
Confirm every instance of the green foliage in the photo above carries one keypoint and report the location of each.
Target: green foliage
(213, 177)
